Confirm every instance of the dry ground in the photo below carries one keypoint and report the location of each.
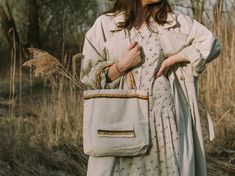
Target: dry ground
(43, 136)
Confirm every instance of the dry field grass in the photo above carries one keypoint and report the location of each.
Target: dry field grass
(41, 126)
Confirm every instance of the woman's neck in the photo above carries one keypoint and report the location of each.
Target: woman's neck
(141, 14)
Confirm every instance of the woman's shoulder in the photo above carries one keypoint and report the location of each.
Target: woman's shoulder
(99, 26)
(184, 21)
(101, 20)
(106, 22)
(188, 23)
(182, 18)
(105, 18)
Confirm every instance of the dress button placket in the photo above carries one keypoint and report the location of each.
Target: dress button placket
(151, 96)
(135, 36)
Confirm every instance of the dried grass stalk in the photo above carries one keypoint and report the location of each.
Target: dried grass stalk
(45, 65)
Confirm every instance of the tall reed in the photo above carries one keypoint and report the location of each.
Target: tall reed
(217, 82)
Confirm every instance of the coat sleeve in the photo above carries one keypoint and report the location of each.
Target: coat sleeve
(203, 46)
(94, 64)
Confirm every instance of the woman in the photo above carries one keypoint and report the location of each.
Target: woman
(166, 51)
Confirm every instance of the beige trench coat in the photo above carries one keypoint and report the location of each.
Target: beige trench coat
(104, 43)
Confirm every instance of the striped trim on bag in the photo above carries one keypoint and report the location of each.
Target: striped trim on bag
(114, 133)
(86, 97)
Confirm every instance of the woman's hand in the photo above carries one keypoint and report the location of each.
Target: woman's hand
(130, 58)
(167, 63)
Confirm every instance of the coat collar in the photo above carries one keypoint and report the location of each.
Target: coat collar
(171, 21)
(115, 20)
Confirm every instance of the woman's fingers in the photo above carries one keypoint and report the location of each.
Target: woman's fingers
(163, 69)
(132, 45)
(160, 71)
(131, 57)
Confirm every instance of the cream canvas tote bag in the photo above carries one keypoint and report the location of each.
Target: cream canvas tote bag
(116, 121)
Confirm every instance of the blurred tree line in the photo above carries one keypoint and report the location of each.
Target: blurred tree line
(53, 25)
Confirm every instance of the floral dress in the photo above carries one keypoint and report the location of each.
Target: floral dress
(163, 158)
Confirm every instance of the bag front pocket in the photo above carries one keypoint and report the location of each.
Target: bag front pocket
(116, 131)
(117, 140)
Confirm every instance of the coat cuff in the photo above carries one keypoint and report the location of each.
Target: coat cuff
(193, 55)
(103, 80)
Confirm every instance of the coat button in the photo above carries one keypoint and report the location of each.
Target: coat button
(182, 77)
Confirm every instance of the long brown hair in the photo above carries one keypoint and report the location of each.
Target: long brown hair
(157, 10)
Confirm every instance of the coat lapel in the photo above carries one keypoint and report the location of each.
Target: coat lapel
(113, 26)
